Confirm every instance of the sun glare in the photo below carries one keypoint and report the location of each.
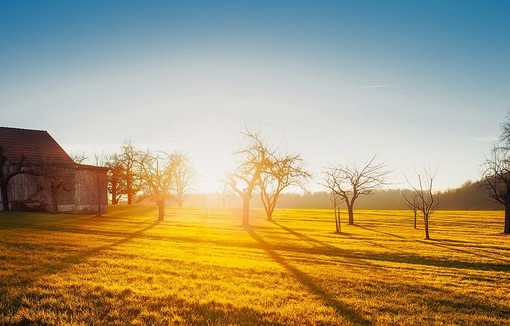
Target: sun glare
(254, 162)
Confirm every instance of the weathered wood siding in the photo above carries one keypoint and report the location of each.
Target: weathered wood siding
(83, 189)
(91, 190)
(25, 187)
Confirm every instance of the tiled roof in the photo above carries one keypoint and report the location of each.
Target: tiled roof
(36, 146)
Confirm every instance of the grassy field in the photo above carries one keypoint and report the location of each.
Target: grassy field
(191, 269)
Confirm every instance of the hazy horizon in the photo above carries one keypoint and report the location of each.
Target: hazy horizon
(420, 84)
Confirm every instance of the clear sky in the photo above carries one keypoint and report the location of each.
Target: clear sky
(419, 83)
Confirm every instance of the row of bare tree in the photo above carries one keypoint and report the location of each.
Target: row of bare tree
(346, 183)
(267, 170)
(154, 175)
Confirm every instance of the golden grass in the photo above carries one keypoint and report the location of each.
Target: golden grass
(128, 268)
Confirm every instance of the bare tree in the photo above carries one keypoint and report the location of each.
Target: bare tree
(281, 173)
(411, 201)
(184, 175)
(505, 132)
(255, 156)
(330, 179)
(78, 157)
(157, 173)
(351, 181)
(130, 157)
(496, 172)
(496, 179)
(9, 170)
(426, 201)
(116, 178)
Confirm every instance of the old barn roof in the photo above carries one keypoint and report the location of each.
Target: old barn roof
(36, 146)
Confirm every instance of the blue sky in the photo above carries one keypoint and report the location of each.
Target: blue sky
(419, 83)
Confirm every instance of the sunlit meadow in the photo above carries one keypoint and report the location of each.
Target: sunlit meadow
(202, 268)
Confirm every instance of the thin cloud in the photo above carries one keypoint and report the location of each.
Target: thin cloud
(378, 86)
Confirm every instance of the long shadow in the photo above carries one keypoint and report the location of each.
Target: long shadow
(376, 231)
(464, 303)
(68, 261)
(74, 230)
(343, 310)
(326, 250)
(304, 237)
(472, 253)
(398, 257)
(404, 258)
(15, 220)
(324, 244)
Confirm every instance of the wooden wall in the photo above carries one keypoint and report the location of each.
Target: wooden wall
(82, 189)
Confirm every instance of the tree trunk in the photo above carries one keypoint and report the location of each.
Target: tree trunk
(246, 211)
(337, 219)
(414, 218)
(269, 213)
(114, 193)
(426, 222)
(351, 213)
(507, 219)
(129, 192)
(5, 197)
(161, 210)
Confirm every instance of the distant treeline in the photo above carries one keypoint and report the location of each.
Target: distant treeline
(467, 197)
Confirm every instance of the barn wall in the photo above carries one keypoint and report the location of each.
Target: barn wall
(91, 190)
(28, 190)
(83, 190)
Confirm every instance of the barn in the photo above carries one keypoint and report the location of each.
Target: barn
(36, 174)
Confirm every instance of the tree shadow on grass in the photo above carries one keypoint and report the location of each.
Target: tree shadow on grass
(20, 220)
(475, 252)
(75, 229)
(122, 210)
(397, 257)
(377, 231)
(303, 237)
(321, 248)
(324, 249)
(402, 258)
(451, 300)
(324, 244)
(341, 308)
(68, 261)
